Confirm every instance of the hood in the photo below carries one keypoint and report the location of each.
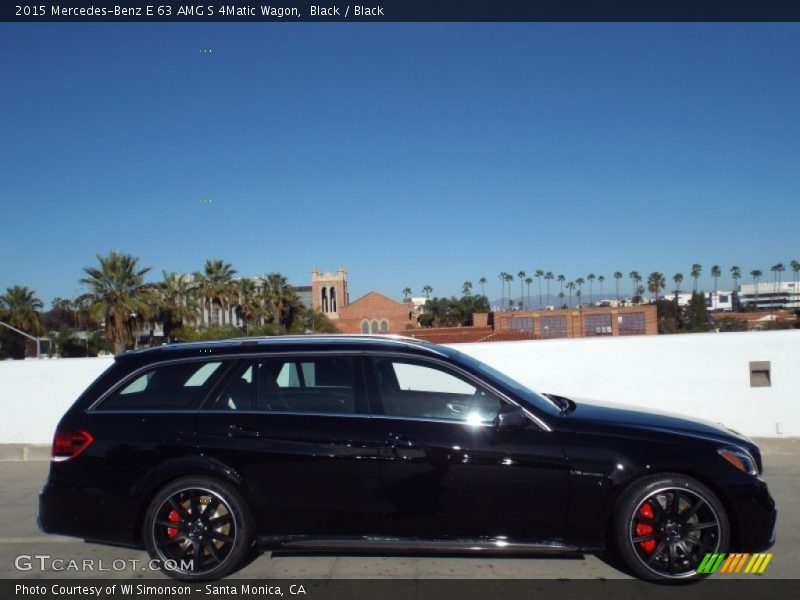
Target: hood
(637, 417)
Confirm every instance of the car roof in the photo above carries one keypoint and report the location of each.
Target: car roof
(286, 343)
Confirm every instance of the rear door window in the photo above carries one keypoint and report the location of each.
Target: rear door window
(178, 386)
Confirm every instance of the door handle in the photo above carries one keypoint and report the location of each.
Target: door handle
(239, 431)
(401, 441)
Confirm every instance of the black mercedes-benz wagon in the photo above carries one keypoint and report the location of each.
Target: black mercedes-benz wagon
(203, 453)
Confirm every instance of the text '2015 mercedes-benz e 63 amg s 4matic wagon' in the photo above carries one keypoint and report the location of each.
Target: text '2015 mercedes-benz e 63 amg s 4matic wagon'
(203, 452)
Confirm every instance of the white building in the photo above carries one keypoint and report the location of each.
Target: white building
(770, 295)
(719, 300)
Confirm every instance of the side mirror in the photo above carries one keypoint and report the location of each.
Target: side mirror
(510, 417)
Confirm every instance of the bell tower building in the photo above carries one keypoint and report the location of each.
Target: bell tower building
(329, 292)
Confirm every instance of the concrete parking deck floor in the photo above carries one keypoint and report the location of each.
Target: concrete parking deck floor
(21, 482)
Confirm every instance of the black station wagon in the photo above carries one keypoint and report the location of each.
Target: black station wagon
(203, 453)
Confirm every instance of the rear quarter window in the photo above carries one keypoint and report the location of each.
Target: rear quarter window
(178, 386)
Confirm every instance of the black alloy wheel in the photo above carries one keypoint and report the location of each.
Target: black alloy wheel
(198, 528)
(665, 525)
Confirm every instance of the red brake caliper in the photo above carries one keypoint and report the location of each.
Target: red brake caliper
(646, 511)
(175, 518)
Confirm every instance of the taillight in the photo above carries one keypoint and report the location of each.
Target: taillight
(68, 444)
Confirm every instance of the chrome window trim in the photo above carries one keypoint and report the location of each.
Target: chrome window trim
(469, 376)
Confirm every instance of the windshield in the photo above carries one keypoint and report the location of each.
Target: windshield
(525, 393)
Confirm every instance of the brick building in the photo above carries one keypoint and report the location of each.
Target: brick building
(580, 322)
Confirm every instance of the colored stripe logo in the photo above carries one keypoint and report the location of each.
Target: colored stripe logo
(734, 563)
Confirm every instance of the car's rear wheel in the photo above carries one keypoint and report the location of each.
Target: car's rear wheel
(666, 524)
(198, 528)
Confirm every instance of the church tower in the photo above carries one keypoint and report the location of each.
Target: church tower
(329, 291)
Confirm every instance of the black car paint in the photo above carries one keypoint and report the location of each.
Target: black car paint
(365, 477)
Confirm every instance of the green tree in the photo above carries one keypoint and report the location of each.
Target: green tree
(176, 302)
(19, 307)
(777, 270)
(678, 279)
(716, 273)
(590, 278)
(548, 278)
(695, 274)
(281, 303)
(697, 313)
(522, 275)
(617, 277)
(635, 279)
(655, 283)
(466, 289)
(561, 280)
(756, 274)
(118, 296)
(539, 274)
(427, 290)
(579, 283)
(406, 293)
(528, 282)
(215, 286)
(570, 287)
(482, 282)
(736, 275)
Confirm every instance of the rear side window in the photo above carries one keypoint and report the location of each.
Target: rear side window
(179, 386)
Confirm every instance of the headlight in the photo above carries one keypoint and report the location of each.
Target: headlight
(741, 459)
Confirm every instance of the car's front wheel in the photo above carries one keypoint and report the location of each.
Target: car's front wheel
(665, 525)
(198, 528)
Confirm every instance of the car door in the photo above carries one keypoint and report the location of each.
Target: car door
(296, 428)
(446, 471)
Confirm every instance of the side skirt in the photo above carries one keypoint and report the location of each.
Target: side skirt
(376, 544)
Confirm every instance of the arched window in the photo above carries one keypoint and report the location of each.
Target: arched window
(324, 300)
(364, 327)
(384, 326)
(333, 299)
(373, 327)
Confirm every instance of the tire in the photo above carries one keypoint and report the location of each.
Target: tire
(198, 528)
(664, 541)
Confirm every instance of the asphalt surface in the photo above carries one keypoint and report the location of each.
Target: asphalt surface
(21, 481)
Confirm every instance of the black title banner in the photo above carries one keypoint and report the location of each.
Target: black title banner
(405, 10)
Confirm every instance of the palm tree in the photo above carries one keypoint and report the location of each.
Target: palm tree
(617, 277)
(427, 290)
(118, 296)
(655, 283)
(503, 276)
(561, 279)
(522, 275)
(406, 293)
(539, 274)
(251, 306)
(591, 277)
(635, 278)
(215, 286)
(678, 279)
(601, 279)
(482, 281)
(579, 282)
(548, 277)
(509, 281)
(528, 282)
(466, 289)
(736, 275)
(795, 265)
(570, 287)
(777, 269)
(716, 273)
(561, 298)
(281, 303)
(695, 274)
(756, 274)
(176, 303)
(19, 308)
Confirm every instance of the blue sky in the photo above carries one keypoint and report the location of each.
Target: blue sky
(410, 154)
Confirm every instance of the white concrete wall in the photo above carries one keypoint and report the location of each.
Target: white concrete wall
(35, 394)
(702, 375)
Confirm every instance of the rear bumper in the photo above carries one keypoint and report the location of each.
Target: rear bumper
(76, 512)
